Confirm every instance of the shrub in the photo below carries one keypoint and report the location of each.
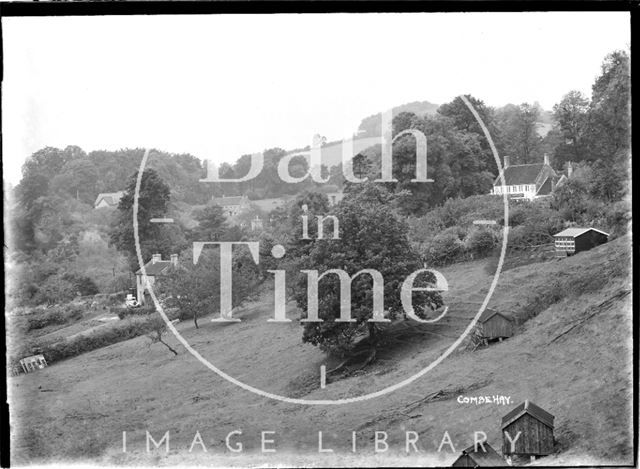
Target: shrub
(124, 312)
(446, 248)
(54, 316)
(81, 283)
(55, 290)
(525, 236)
(100, 337)
(480, 242)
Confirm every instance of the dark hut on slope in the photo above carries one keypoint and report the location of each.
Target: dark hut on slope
(494, 325)
(485, 456)
(536, 431)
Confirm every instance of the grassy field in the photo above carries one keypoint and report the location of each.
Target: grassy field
(572, 357)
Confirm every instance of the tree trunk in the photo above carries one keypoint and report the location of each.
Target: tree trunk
(169, 347)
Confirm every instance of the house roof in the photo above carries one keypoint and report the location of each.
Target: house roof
(575, 232)
(489, 313)
(267, 205)
(520, 174)
(154, 269)
(546, 187)
(487, 458)
(562, 178)
(528, 407)
(112, 198)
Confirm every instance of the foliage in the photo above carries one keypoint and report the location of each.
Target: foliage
(212, 223)
(195, 289)
(480, 242)
(123, 312)
(572, 117)
(518, 132)
(153, 202)
(54, 316)
(445, 248)
(103, 336)
(55, 290)
(610, 109)
(371, 237)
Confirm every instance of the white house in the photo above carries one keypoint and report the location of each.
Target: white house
(154, 268)
(108, 199)
(528, 181)
(232, 205)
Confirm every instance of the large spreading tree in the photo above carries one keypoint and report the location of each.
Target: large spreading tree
(153, 202)
(371, 237)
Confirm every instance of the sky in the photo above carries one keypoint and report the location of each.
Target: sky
(219, 86)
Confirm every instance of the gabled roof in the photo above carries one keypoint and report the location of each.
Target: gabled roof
(155, 269)
(520, 174)
(561, 179)
(487, 458)
(489, 313)
(528, 407)
(546, 187)
(112, 198)
(232, 200)
(575, 232)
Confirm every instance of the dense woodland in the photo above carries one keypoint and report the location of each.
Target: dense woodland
(60, 246)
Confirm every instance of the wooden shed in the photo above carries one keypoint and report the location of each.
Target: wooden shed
(573, 240)
(487, 457)
(536, 431)
(494, 325)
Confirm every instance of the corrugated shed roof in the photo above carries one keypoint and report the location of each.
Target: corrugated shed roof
(528, 407)
(520, 174)
(155, 269)
(487, 458)
(575, 232)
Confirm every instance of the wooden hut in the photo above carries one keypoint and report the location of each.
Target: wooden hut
(573, 240)
(33, 363)
(536, 431)
(485, 456)
(494, 325)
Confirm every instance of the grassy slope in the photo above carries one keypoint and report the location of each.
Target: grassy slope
(79, 407)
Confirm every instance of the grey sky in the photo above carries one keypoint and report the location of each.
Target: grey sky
(222, 86)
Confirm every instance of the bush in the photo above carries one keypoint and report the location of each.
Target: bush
(124, 312)
(55, 290)
(100, 337)
(49, 318)
(82, 284)
(54, 316)
(480, 242)
(446, 248)
(525, 236)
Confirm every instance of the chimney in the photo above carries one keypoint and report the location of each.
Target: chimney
(506, 161)
(569, 169)
(174, 260)
(156, 258)
(546, 159)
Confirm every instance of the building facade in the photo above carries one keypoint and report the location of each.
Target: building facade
(526, 181)
(154, 268)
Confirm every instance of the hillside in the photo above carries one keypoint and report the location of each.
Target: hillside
(371, 126)
(573, 358)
